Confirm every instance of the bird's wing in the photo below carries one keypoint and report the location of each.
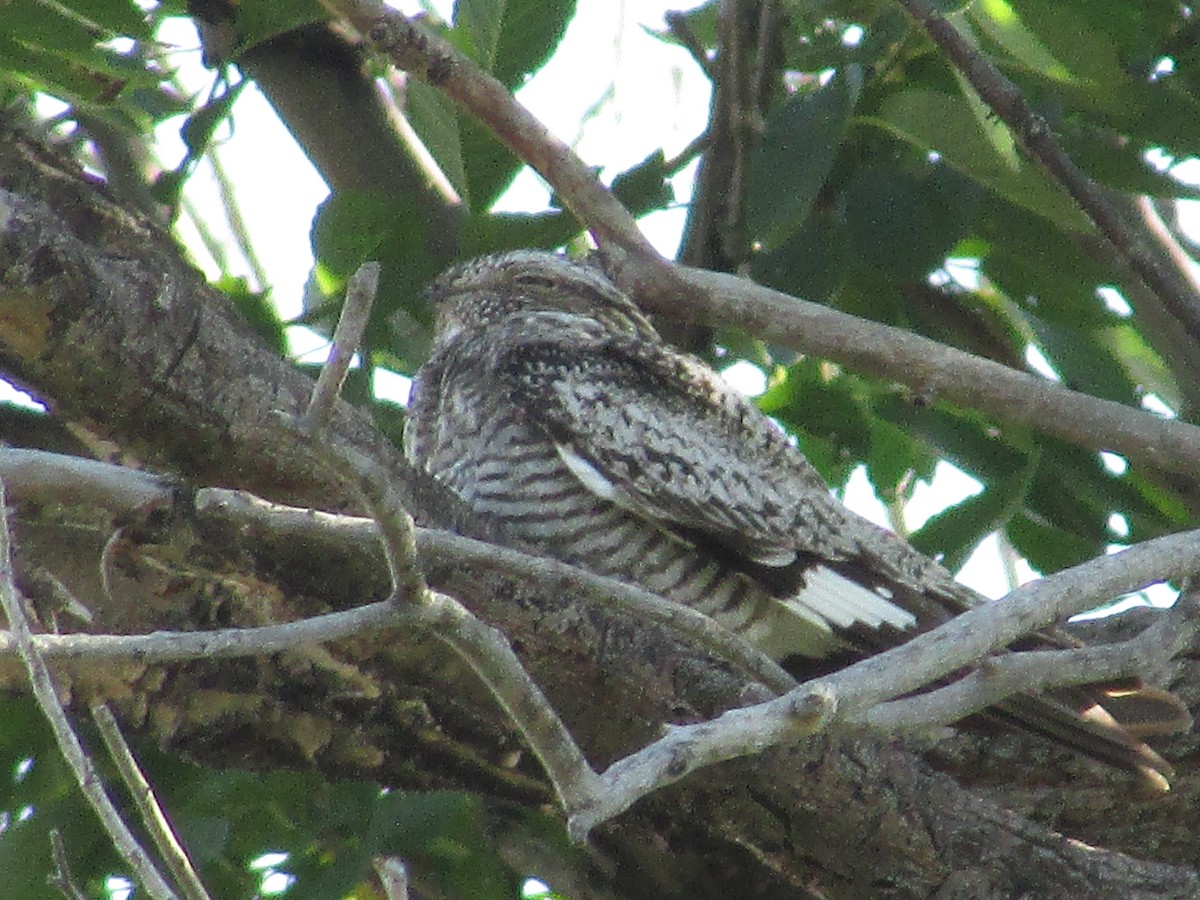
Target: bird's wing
(662, 436)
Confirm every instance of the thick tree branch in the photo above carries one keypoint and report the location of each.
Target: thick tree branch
(930, 369)
(856, 697)
(774, 821)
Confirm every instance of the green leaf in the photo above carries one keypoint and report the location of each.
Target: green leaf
(260, 20)
(443, 832)
(1042, 268)
(906, 224)
(197, 134)
(352, 227)
(644, 187)
(834, 410)
(1047, 547)
(964, 438)
(43, 798)
(1088, 55)
(1138, 31)
(116, 16)
(493, 232)
(954, 533)
(938, 122)
(1112, 362)
(511, 39)
(435, 119)
(530, 33)
(489, 165)
(49, 27)
(349, 228)
(810, 263)
(896, 461)
(796, 154)
(477, 29)
(700, 22)
(1119, 164)
(1001, 22)
(33, 69)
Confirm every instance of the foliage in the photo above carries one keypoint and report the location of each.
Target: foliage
(876, 166)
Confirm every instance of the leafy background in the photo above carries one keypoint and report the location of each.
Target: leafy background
(874, 181)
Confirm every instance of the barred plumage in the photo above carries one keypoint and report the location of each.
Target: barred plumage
(551, 404)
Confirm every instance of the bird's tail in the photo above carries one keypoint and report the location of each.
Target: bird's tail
(1105, 722)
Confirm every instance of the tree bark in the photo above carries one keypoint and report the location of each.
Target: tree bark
(102, 319)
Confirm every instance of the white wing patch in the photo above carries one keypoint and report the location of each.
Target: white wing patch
(827, 598)
(591, 477)
(843, 603)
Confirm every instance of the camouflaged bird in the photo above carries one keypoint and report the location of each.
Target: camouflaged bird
(550, 404)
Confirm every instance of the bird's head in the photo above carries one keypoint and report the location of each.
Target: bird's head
(488, 290)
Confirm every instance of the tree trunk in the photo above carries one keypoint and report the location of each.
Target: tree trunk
(102, 319)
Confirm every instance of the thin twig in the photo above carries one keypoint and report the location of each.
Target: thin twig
(393, 876)
(81, 765)
(61, 878)
(409, 46)
(154, 818)
(483, 648)
(1002, 676)
(356, 312)
(172, 646)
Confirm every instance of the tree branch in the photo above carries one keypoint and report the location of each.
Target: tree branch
(1000, 677)
(412, 48)
(352, 325)
(76, 757)
(154, 818)
(857, 697)
(931, 369)
(1036, 136)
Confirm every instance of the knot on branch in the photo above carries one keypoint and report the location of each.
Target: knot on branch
(810, 707)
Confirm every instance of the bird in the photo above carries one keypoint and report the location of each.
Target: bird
(550, 405)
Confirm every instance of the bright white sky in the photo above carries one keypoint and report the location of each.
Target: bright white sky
(634, 94)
